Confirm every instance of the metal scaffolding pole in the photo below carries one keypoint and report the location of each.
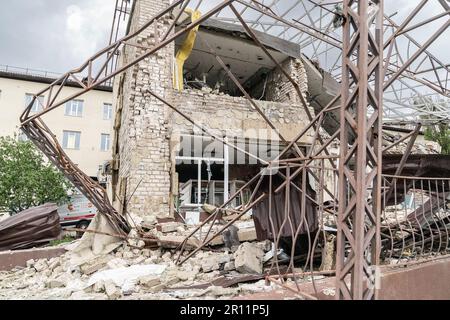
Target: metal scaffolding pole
(360, 155)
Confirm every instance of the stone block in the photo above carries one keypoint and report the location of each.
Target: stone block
(249, 259)
(112, 291)
(149, 281)
(95, 265)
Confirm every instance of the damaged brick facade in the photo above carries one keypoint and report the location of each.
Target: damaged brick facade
(141, 146)
(279, 88)
(147, 131)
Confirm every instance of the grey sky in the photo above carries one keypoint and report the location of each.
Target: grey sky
(53, 35)
(58, 35)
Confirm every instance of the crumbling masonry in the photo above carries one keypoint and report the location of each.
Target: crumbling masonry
(147, 132)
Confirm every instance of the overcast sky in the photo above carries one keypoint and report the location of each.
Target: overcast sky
(53, 35)
(58, 35)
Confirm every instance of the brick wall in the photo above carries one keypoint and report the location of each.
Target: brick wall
(147, 131)
(279, 88)
(143, 142)
(235, 115)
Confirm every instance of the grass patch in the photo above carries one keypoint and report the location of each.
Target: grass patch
(66, 239)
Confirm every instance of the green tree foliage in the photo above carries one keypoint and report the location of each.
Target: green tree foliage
(439, 133)
(26, 180)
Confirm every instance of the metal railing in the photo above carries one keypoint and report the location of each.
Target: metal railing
(29, 72)
(416, 218)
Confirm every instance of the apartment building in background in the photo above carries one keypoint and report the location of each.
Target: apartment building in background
(82, 126)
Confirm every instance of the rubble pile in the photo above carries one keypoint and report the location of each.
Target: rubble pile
(418, 228)
(140, 269)
(144, 266)
(130, 273)
(420, 146)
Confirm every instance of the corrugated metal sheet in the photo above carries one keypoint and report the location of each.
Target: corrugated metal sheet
(30, 228)
(279, 222)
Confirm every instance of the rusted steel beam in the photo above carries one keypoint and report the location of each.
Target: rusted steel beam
(358, 219)
(160, 45)
(405, 156)
(414, 57)
(398, 141)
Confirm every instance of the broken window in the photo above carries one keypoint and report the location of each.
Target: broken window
(209, 172)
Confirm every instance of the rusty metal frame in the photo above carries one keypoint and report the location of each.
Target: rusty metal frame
(358, 242)
(36, 130)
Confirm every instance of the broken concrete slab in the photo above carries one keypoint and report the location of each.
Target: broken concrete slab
(30, 263)
(168, 227)
(99, 286)
(149, 281)
(112, 291)
(53, 263)
(40, 265)
(188, 275)
(173, 242)
(58, 282)
(128, 255)
(247, 234)
(95, 265)
(116, 263)
(229, 266)
(211, 263)
(127, 277)
(248, 258)
(158, 288)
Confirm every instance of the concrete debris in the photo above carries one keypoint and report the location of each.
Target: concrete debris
(40, 265)
(99, 286)
(149, 221)
(189, 275)
(117, 263)
(169, 227)
(247, 234)
(112, 291)
(30, 263)
(211, 264)
(249, 258)
(58, 282)
(149, 281)
(229, 266)
(95, 267)
(209, 208)
(215, 291)
(54, 263)
(170, 278)
(126, 277)
(173, 242)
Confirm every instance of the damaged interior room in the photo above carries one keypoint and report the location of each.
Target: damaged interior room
(261, 149)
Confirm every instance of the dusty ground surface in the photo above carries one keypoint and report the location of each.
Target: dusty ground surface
(128, 273)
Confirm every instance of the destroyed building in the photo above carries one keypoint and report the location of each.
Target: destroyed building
(148, 135)
(220, 123)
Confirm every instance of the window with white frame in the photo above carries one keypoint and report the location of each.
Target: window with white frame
(37, 105)
(74, 108)
(71, 140)
(107, 111)
(105, 142)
